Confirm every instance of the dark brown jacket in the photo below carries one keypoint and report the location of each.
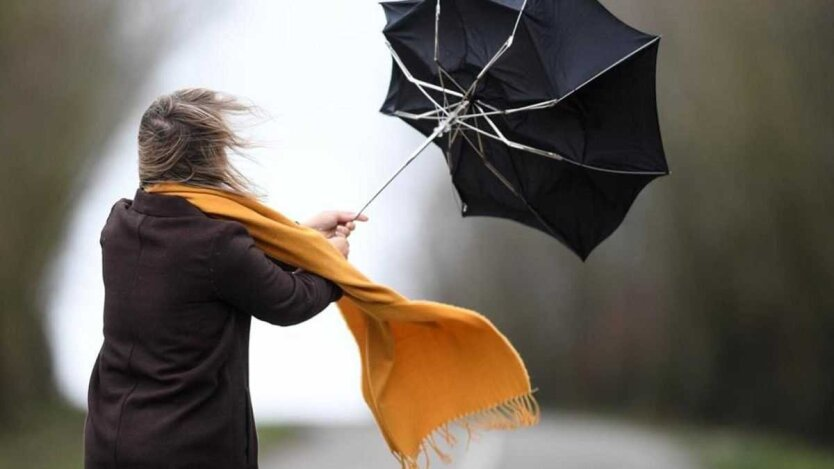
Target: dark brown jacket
(170, 386)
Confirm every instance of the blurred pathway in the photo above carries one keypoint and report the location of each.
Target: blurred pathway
(559, 442)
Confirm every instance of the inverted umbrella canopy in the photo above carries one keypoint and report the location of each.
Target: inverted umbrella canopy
(545, 109)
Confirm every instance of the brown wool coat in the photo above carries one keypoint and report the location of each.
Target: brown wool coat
(170, 386)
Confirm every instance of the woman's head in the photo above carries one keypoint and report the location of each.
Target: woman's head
(186, 137)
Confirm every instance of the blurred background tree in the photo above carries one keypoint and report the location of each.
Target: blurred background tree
(713, 302)
(68, 70)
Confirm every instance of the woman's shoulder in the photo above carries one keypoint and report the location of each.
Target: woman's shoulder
(119, 206)
(228, 230)
(230, 238)
(190, 230)
(234, 240)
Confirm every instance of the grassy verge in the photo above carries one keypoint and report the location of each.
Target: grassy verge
(740, 450)
(52, 438)
(737, 448)
(269, 435)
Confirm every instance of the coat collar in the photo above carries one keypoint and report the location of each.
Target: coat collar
(163, 205)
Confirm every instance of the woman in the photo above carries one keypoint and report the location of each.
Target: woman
(169, 388)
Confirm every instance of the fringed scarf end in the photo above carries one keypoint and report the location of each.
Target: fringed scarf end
(520, 411)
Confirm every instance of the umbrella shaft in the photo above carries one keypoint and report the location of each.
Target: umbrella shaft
(442, 127)
(408, 161)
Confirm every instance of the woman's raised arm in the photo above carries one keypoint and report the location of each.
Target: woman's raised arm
(246, 278)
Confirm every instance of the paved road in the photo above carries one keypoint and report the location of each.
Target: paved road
(559, 442)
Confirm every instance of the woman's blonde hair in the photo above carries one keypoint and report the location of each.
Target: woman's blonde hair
(186, 137)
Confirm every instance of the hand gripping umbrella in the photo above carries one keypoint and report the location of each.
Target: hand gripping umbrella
(545, 109)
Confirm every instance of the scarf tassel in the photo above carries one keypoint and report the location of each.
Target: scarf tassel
(517, 412)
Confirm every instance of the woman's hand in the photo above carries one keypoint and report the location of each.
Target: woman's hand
(334, 223)
(341, 243)
(336, 226)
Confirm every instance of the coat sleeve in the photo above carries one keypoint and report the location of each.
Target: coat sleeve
(245, 277)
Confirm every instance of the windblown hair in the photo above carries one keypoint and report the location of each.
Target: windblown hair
(186, 137)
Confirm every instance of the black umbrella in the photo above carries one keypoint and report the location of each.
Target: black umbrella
(545, 109)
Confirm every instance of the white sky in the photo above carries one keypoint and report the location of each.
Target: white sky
(322, 77)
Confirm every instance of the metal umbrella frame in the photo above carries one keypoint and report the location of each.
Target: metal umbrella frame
(459, 109)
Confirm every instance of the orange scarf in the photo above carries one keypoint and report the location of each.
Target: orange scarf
(425, 365)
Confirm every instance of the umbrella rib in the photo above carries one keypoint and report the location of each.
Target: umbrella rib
(451, 78)
(502, 49)
(556, 156)
(494, 170)
(430, 115)
(417, 82)
(552, 102)
(549, 154)
(436, 49)
(436, 30)
(440, 70)
(511, 160)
